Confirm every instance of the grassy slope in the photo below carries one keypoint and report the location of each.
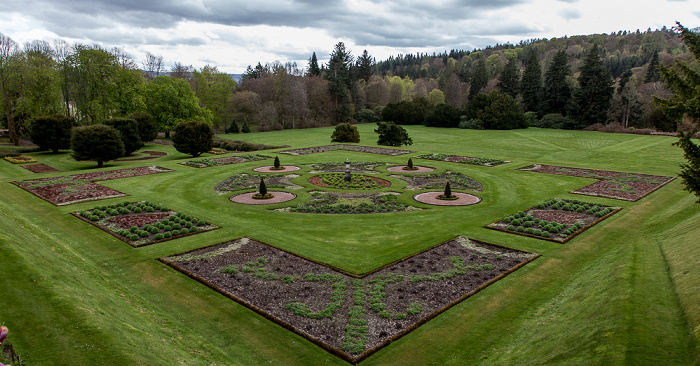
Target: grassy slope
(625, 292)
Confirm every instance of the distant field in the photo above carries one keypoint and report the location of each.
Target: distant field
(625, 291)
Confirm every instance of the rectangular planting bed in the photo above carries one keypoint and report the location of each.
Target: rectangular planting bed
(462, 159)
(82, 187)
(206, 162)
(365, 149)
(556, 220)
(143, 223)
(349, 316)
(615, 185)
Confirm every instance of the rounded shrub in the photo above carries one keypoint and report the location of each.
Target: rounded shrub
(154, 230)
(167, 228)
(510, 227)
(159, 236)
(133, 237)
(201, 222)
(144, 233)
(176, 226)
(520, 229)
(188, 224)
(167, 234)
(176, 232)
(185, 231)
(134, 228)
(529, 230)
(193, 229)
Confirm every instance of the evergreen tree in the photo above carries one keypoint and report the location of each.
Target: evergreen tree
(390, 134)
(338, 76)
(99, 143)
(245, 128)
(684, 81)
(193, 137)
(363, 66)
(509, 79)
(592, 98)
(313, 69)
(233, 128)
(557, 91)
(129, 130)
(479, 79)
(148, 128)
(52, 132)
(653, 74)
(531, 83)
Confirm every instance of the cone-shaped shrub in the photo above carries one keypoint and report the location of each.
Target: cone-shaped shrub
(263, 189)
(448, 190)
(277, 162)
(410, 163)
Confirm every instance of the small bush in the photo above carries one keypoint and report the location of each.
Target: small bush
(345, 132)
(159, 236)
(471, 124)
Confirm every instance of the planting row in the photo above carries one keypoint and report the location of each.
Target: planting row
(326, 148)
(351, 203)
(143, 223)
(349, 317)
(357, 182)
(207, 162)
(462, 159)
(557, 219)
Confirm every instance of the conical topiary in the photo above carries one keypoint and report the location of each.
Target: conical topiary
(448, 190)
(277, 162)
(263, 188)
(410, 163)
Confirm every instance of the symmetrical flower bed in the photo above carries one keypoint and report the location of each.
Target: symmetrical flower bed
(355, 167)
(556, 220)
(81, 187)
(351, 203)
(462, 159)
(206, 162)
(143, 223)
(437, 180)
(247, 181)
(20, 159)
(357, 181)
(39, 168)
(366, 149)
(349, 317)
(616, 185)
(152, 155)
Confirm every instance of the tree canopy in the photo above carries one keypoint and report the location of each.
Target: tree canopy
(193, 137)
(390, 134)
(100, 143)
(170, 100)
(52, 132)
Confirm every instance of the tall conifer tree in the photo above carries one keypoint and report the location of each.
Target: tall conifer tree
(338, 75)
(592, 98)
(479, 79)
(557, 91)
(509, 79)
(313, 69)
(531, 83)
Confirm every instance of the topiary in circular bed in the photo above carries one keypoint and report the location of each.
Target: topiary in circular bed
(410, 166)
(276, 164)
(262, 191)
(447, 195)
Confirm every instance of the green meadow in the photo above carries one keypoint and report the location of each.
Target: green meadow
(624, 292)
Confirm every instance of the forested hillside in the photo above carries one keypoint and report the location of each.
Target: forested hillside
(569, 82)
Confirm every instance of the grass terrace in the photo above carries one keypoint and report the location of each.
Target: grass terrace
(624, 291)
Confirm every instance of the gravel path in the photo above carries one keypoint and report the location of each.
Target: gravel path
(464, 199)
(268, 169)
(247, 198)
(399, 169)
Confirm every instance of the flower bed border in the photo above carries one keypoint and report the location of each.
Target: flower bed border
(339, 147)
(573, 235)
(244, 158)
(48, 169)
(533, 167)
(327, 347)
(121, 238)
(445, 158)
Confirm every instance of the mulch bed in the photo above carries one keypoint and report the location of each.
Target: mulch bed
(465, 199)
(278, 197)
(571, 218)
(351, 203)
(365, 149)
(437, 180)
(39, 168)
(318, 181)
(81, 187)
(463, 159)
(118, 224)
(153, 155)
(419, 169)
(610, 184)
(248, 181)
(207, 162)
(351, 317)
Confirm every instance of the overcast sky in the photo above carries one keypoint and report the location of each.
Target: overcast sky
(232, 34)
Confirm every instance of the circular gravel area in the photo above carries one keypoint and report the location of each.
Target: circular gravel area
(399, 169)
(268, 169)
(464, 199)
(247, 198)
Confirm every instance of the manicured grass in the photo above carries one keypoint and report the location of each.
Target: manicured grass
(623, 292)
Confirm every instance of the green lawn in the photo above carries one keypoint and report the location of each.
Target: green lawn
(626, 291)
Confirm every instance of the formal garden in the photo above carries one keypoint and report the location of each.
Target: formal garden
(467, 257)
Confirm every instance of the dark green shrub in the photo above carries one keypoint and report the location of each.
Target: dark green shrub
(176, 232)
(520, 229)
(245, 128)
(233, 128)
(147, 126)
(366, 116)
(471, 124)
(185, 230)
(154, 230)
(201, 222)
(442, 115)
(391, 134)
(193, 137)
(175, 226)
(52, 132)
(159, 236)
(133, 229)
(143, 233)
(345, 132)
(167, 234)
(129, 130)
(99, 143)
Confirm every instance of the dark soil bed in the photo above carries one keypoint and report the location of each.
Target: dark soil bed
(39, 168)
(616, 185)
(81, 187)
(348, 316)
(206, 162)
(364, 167)
(336, 180)
(462, 159)
(555, 220)
(351, 203)
(358, 148)
(437, 180)
(143, 223)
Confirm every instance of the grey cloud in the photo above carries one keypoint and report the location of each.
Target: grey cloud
(569, 14)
